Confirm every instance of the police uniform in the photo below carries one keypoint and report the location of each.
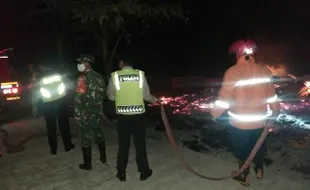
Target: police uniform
(128, 88)
(51, 88)
(89, 96)
(249, 96)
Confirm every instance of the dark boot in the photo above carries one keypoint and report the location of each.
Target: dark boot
(53, 146)
(86, 158)
(121, 176)
(68, 146)
(146, 174)
(243, 178)
(102, 150)
(53, 151)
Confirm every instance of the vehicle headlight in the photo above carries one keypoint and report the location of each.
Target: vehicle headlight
(61, 88)
(45, 93)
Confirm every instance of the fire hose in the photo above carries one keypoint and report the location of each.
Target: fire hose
(190, 169)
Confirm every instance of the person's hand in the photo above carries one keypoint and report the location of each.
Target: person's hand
(155, 100)
(304, 91)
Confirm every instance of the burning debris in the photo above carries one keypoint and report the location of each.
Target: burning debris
(202, 102)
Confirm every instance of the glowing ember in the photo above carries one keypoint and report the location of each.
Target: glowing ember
(186, 104)
(305, 90)
(189, 104)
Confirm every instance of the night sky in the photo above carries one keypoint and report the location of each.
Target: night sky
(200, 47)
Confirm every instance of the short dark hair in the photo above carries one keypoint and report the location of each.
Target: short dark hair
(126, 61)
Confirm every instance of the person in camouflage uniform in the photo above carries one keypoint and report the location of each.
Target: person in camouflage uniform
(89, 97)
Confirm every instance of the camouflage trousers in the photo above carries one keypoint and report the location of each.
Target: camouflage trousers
(91, 129)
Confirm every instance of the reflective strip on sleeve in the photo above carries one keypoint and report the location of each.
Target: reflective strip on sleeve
(252, 81)
(140, 79)
(222, 104)
(116, 81)
(272, 99)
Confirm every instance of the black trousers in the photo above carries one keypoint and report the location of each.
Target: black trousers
(127, 126)
(54, 113)
(243, 142)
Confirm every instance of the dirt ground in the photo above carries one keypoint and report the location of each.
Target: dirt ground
(36, 169)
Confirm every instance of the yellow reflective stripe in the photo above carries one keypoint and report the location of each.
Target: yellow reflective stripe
(250, 118)
(116, 81)
(140, 79)
(51, 79)
(272, 99)
(222, 104)
(9, 83)
(252, 81)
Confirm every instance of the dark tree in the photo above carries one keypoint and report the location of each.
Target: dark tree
(112, 21)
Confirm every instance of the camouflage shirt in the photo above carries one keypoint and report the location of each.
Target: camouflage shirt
(89, 96)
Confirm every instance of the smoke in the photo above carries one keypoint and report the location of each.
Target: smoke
(282, 52)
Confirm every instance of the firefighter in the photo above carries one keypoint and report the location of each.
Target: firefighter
(49, 96)
(90, 93)
(128, 88)
(248, 95)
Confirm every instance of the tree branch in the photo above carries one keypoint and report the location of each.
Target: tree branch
(119, 38)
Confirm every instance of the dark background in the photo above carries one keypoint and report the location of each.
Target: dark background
(200, 47)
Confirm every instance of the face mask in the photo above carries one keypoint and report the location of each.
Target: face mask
(81, 67)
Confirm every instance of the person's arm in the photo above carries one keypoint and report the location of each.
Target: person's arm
(273, 100)
(147, 96)
(111, 91)
(226, 95)
(96, 89)
(35, 90)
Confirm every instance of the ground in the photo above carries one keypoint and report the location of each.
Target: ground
(36, 169)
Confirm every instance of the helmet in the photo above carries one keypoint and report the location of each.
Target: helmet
(86, 57)
(242, 47)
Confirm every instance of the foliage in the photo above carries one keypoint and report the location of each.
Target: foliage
(115, 20)
(51, 16)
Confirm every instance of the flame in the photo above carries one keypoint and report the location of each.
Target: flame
(307, 84)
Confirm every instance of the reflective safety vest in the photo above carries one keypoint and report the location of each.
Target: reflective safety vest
(52, 88)
(129, 91)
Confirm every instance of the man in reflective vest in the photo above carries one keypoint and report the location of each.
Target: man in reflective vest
(248, 94)
(49, 95)
(128, 88)
(89, 96)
